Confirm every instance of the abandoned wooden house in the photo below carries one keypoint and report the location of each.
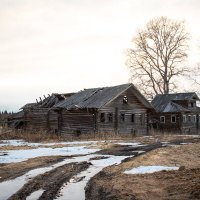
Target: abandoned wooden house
(39, 116)
(119, 109)
(176, 113)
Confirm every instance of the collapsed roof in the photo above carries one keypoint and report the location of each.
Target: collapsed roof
(98, 97)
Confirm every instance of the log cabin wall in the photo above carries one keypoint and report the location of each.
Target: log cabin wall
(36, 119)
(77, 122)
(128, 118)
(185, 122)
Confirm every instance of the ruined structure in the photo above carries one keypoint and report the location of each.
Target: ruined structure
(119, 109)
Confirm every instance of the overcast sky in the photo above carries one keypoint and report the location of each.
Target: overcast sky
(51, 46)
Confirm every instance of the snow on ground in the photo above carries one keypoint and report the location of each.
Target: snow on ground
(149, 169)
(23, 143)
(18, 182)
(75, 190)
(22, 155)
(130, 144)
(35, 195)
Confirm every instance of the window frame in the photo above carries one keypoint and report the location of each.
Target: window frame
(102, 117)
(133, 118)
(184, 118)
(122, 117)
(162, 121)
(175, 117)
(110, 117)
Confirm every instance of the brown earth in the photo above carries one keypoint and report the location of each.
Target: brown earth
(183, 184)
(50, 181)
(13, 170)
(6, 148)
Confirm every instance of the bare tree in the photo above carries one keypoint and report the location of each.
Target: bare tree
(157, 57)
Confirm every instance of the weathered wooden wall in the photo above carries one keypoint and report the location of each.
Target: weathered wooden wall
(77, 122)
(179, 126)
(117, 107)
(36, 119)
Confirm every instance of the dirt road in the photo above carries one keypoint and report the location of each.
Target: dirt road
(50, 181)
(183, 184)
(112, 182)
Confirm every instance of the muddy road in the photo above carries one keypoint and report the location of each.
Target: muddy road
(112, 183)
(50, 182)
(65, 177)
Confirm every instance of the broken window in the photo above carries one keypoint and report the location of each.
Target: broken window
(110, 117)
(133, 118)
(162, 119)
(122, 117)
(102, 117)
(125, 100)
(173, 119)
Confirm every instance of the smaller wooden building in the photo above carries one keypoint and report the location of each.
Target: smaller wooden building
(177, 113)
(119, 109)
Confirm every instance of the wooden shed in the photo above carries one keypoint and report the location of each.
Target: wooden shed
(119, 109)
(176, 113)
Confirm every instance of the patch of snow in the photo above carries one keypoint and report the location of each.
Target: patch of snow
(164, 142)
(139, 152)
(149, 169)
(194, 136)
(12, 143)
(130, 144)
(35, 195)
(183, 143)
(25, 154)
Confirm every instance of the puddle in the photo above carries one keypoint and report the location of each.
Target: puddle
(76, 190)
(149, 169)
(35, 195)
(129, 143)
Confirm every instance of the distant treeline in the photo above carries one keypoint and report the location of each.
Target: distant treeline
(4, 115)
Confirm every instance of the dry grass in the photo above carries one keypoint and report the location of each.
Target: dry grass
(42, 136)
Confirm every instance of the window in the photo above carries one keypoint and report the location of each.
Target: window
(189, 118)
(173, 119)
(110, 117)
(162, 119)
(184, 118)
(125, 100)
(133, 118)
(122, 117)
(192, 104)
(194, 118)
(102, 117)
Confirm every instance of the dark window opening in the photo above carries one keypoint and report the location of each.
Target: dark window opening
(125, 100)
(192, 104)
(102, 117)
(189, 118)
(162, 119)
(173, 119)
(110, 117)
(184, 118)
(122, 117)
(133, 118)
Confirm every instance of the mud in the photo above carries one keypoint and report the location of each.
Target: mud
(13, 170)
(113, 184)
(50, 182)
